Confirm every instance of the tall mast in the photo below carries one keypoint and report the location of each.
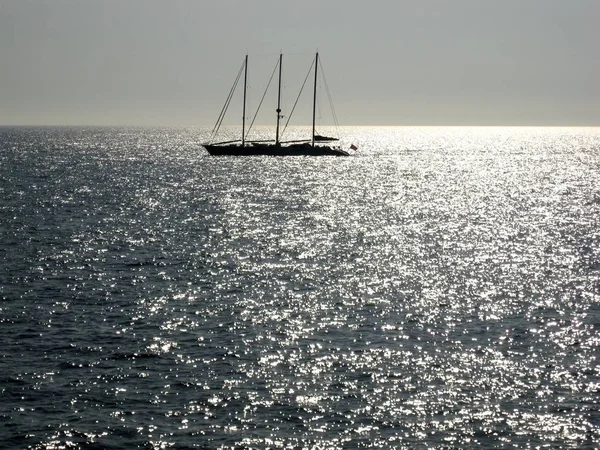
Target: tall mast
(278, 103)
(244, 107)
(315, 99)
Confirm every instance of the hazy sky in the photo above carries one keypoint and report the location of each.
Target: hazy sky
(388, 62)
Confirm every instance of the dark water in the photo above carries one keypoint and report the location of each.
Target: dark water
(438, 290)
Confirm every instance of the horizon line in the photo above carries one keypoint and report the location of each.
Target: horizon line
(7, 125)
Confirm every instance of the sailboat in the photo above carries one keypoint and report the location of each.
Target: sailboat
(318, 145)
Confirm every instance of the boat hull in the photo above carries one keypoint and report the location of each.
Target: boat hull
(274, 150)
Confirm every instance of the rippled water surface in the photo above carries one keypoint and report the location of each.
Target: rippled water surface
(438, 289)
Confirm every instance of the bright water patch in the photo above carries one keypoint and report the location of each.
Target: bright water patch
(440, 288)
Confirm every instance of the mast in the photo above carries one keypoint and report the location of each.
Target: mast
(244, 107)
(315, 99)
(278, 103)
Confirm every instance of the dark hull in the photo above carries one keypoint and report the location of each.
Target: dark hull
(274, 150)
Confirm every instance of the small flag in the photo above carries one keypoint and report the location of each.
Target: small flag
(354, 147)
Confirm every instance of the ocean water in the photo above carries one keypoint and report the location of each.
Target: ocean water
(438, 289)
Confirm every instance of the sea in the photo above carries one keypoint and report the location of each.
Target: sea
(438, 289)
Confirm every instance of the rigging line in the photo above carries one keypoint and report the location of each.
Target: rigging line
(297, 98)
(227, 102)
(263, 97)
(226, 106)
(335, 120)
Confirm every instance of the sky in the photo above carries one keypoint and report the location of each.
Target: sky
(388, 62)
